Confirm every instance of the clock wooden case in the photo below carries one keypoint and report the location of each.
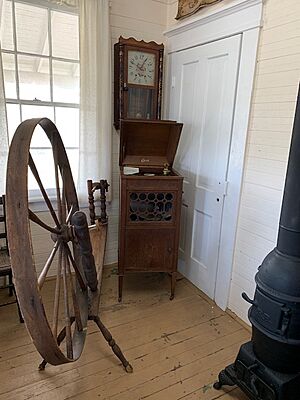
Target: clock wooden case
(138, 69)
(150, 200)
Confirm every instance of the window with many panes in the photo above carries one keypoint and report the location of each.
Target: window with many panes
(40, 55)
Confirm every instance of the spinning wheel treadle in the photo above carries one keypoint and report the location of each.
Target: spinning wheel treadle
(77, 284)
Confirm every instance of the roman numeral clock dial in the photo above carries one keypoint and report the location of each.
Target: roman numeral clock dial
(138, 69)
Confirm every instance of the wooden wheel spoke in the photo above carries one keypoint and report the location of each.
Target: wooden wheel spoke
(45, 270)
(70, 214)
(69, 343)
(79, 273)
(57, 293)
(63, 205)
(43, 191)
(58, 195)
(74, 297)
(33, 217)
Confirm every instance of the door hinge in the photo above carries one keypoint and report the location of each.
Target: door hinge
(173, 82)
(226, 188)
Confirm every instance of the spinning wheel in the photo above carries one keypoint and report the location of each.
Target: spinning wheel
(76, 287)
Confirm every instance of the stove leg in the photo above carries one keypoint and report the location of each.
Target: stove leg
(224, 379)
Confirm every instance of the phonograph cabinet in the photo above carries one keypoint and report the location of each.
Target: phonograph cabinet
(150, 198)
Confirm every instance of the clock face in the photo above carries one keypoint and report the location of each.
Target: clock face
(141, 68)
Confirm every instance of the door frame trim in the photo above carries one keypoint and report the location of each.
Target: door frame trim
(215, 23)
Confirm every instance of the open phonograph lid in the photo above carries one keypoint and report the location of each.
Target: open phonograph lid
(148, 143)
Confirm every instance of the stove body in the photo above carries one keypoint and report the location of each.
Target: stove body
(268, 367)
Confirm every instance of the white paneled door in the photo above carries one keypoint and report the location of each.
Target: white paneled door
(202, 96)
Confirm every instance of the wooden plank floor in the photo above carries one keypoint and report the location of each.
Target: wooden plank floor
(176, 348)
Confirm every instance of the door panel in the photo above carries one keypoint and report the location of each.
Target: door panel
(202, 97)
(185, 153)
(200, 244)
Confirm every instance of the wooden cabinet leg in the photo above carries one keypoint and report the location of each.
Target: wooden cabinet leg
(173, 283)
(120, 287)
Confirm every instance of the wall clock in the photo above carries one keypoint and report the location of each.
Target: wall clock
(138, 69)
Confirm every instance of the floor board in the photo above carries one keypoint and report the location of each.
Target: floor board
(176, 347)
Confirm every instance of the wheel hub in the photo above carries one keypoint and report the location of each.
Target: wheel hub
(66, 234)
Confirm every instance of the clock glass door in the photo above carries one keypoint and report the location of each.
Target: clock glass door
(140, 86)
(140, 103)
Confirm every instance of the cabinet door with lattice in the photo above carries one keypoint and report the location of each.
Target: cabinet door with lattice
(150, 206)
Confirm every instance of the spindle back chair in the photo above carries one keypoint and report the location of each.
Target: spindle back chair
(5, 265)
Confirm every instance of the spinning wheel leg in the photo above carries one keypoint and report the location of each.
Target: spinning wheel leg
(115, 348)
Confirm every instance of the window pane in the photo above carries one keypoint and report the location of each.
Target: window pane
(6, 27)
(32, 29)
(43, 160)
(34, 78)
(13, 119)
(65, 82)
(67, 122)
(65, 26)
(29, 111)
(9, 76)
(39, 138)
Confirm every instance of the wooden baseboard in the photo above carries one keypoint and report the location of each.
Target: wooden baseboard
(112, 265)
(238, 319)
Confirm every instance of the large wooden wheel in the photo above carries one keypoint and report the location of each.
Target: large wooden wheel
(67, 317)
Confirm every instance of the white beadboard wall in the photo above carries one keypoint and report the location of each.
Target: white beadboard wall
(270, 128)
(142, 19)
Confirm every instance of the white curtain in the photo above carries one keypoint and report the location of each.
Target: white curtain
(3, 125)
(95, 143)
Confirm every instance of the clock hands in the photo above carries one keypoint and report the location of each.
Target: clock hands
(142, 66)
